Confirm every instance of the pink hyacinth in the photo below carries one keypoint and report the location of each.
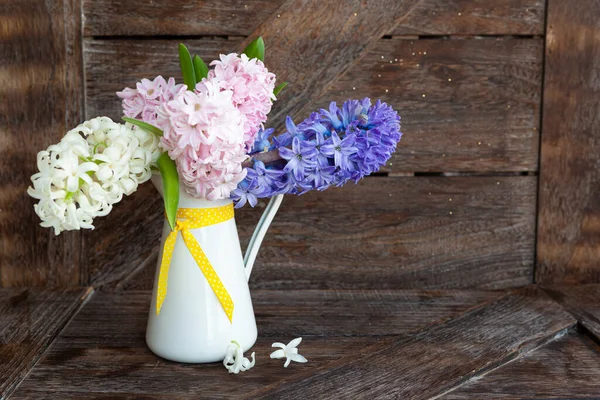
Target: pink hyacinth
(203, 132)
(252, 86)
(142, 102)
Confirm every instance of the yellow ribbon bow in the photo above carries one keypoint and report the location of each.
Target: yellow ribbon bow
(194, 218)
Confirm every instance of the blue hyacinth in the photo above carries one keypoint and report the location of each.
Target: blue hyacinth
(331, 147)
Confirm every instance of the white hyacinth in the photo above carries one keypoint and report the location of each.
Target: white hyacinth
(91, 168)
(234, 360)
(289, 352)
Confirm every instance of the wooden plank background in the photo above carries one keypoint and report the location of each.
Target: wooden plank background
(567, 367)
(42, 96)
(436, 360)
(190, 17)
(569, 206)
(466, 76)
(31, 320)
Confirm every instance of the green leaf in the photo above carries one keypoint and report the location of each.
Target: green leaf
(256, 49)
(200, 68)
(279, 88)
(143, 125)
(187, 67)
(170, 178)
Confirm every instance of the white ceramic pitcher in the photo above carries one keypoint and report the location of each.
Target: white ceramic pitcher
(192, 326)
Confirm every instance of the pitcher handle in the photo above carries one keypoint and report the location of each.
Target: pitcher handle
(260, 232)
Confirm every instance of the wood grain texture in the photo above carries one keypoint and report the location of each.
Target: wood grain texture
(486, 118)
(437, 359)
(569, 207)
(474, 17)
(237, 17)
(567, 368)
(583, 301)
(30, 321)
(103, 353)
(312, 44)
(359, 312)
(125, 240)
(392, 233)
(42, 94)
(466, 105)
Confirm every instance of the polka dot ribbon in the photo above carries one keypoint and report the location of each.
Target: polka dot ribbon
(194, 218)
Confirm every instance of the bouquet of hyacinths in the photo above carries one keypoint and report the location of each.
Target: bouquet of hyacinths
(208, 134)
(206, 138)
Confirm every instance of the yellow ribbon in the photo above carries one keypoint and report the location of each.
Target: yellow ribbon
(194, 218)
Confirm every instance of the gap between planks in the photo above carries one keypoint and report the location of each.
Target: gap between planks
(461, 37)
(385, 37)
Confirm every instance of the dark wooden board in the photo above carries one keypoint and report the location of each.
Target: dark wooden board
(568, 246)
(583, 301)
(29, 321)
(566, 368)
(415, 232)
(437, 359)
(42, 97)
(124, 241)
(359, 312)
(485, 118)
(475, 17)
(102, 352)
(241, 17)
(466, 105)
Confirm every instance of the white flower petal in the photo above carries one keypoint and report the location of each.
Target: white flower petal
(278, 354)
(295, 342)
(277, 344)
(72, 183)
(104, 173)
(297, 358)
(234, 360)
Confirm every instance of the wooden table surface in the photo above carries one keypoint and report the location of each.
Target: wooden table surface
(405, 344)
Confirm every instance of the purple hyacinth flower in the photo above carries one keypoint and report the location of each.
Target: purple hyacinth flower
(261, 142)
(321, 177)
(340, 150)
(266, 179)
(331, 117)
(350, 110)
(331, 147)
(245, 191)
(299, 157)
(286, 185)
(285, 139)
(312, 125)
(317, 143)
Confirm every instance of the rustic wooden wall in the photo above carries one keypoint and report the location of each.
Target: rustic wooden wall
(455, 207)
(41, 96)
(569, 207)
